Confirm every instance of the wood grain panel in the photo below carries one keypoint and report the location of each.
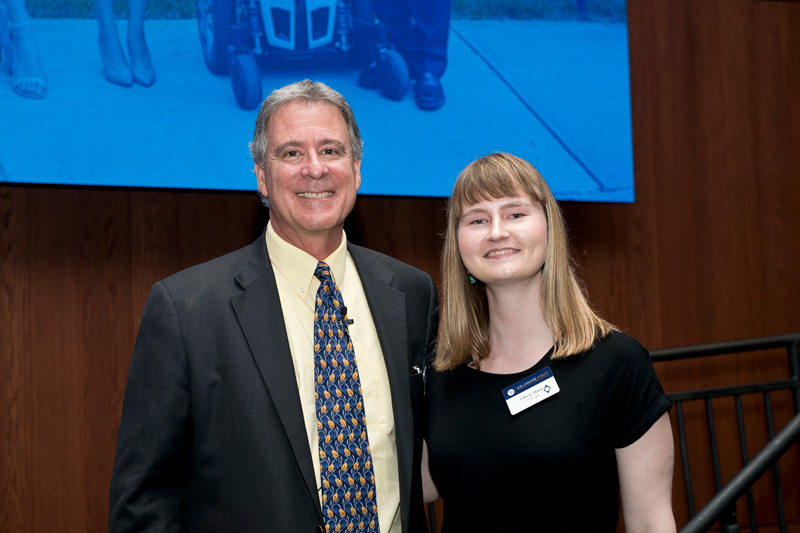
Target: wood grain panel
(776, 78)
(105, 279)
(54, 347)
(16, 508)
(410, 229)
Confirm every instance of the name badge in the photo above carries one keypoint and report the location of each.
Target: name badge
(530, 390)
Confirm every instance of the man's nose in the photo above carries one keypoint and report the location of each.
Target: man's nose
(314, 168)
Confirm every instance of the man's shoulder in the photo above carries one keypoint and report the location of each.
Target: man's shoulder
(217, 269)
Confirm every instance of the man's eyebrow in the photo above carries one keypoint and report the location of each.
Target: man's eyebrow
(283, 147)
(337, 143)
(297, 144)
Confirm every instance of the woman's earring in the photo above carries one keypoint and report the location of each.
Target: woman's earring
(472, 280)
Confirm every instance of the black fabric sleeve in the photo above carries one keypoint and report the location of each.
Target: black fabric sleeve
(639, 398)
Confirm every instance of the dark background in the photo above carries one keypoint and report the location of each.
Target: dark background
(709, 252)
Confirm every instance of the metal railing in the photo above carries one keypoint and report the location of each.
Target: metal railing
(723, 506)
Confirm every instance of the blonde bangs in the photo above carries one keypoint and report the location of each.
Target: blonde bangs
(490, 178)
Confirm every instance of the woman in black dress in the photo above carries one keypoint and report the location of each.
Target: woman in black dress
(542, 416)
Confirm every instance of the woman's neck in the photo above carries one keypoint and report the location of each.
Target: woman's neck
(518, 333)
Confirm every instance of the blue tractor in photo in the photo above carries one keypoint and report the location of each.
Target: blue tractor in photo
(238, 37)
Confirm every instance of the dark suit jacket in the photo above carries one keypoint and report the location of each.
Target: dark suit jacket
(212, 437)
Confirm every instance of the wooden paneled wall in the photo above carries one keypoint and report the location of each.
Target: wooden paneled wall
(710, 251)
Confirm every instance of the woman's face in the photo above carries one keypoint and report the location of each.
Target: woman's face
(503, 240)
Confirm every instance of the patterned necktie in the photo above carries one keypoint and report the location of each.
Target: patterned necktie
(348, 482)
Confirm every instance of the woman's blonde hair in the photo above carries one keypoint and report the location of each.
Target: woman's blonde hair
(464, 325)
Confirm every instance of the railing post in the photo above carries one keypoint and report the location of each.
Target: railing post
(728, 521)
(737, 486)
(794, 369)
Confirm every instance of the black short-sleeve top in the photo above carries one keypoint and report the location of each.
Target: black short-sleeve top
(551, 467)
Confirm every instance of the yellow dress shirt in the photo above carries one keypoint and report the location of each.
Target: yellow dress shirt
(297, 288)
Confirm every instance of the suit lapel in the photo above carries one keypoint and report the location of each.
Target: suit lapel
(388, 308)
(258, 310)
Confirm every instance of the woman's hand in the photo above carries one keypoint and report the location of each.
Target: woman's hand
(429, 491)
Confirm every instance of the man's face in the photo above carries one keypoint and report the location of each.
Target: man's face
(310, 179)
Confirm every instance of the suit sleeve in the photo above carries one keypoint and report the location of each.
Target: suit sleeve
(433, 321)
(417, 520)
(150, 475)
(430, 353)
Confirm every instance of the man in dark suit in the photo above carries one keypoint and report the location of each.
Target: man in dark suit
(219, 428)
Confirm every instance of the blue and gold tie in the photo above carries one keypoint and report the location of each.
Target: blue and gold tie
(348, 483)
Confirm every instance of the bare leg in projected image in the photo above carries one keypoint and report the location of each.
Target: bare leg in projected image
(115, 66)
(20, 54)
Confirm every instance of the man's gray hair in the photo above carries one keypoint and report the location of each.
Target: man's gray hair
(309, 91)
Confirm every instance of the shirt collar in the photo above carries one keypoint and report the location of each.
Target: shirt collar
(298, 266)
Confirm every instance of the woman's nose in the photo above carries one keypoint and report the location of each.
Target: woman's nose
(497, 230)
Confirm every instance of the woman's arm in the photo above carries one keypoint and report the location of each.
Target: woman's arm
(429, 491)
(645, 480)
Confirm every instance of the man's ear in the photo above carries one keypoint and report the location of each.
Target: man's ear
(357, 165)
(261, 178)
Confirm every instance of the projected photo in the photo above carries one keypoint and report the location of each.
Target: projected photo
(164, 93)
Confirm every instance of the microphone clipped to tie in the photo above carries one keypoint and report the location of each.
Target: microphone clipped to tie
(347, 321)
